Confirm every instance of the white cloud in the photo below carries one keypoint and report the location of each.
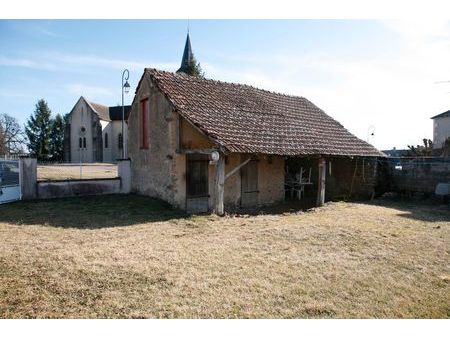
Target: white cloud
(27, 63)
(61, 61)
(97, 61)
(395, 91)
(86, 90)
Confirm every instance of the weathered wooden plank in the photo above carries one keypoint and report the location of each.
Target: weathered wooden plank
(321, 182)
(236, 169)
(198, 151)
(220, 183)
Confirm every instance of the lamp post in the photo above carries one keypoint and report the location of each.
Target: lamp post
(125, 90)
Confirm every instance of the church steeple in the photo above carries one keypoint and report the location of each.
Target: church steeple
(188, 57)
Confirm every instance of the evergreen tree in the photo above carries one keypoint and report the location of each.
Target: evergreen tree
(194, 68)
(56, 145)
(38, 131)
(189, 64)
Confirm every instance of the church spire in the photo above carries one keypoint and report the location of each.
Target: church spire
(188, 56)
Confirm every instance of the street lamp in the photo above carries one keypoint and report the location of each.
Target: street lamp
(125, 89)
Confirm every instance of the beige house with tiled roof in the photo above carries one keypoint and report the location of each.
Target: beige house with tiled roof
(94, 132)
(205, 145)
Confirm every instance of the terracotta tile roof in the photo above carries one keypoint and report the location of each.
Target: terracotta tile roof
(245, 119)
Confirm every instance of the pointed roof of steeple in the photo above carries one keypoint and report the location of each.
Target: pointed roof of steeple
(187, 56)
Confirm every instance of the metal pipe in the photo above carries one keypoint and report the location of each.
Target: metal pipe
(126, 77)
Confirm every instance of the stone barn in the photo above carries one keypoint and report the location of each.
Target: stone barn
(205, 145)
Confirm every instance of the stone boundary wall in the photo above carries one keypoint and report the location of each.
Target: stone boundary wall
(411, 175)
(70, 188)
(32, 189)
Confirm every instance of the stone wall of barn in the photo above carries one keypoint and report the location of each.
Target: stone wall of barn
(191, 138)
(270, 180)
(154, 170)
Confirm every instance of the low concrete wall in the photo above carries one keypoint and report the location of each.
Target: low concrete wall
(69, 188)
(32, 189)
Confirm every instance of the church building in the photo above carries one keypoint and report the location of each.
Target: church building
(94, 133)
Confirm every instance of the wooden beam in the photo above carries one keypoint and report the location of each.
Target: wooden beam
(198, 151)
(236, 169)
(220, 184)
(321, 182)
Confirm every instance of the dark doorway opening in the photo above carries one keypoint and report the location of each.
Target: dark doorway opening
(197, 191)
(301, 175)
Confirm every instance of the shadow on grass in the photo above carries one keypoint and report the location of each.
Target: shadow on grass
(288, 206)
(90, 212)
(430, 209)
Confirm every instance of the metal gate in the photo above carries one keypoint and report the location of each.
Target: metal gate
(9, 181)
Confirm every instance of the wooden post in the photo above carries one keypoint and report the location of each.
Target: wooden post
(220, 183)
(321, 182)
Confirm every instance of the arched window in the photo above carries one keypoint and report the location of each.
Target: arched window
(106, 140)
(120, 141)
(84, 142)
(80, 143)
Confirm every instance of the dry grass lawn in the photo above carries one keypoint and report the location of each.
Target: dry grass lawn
(72, 171)
(131, 256)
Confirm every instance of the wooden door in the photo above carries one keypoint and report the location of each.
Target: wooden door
(249, 185)
(197, 192)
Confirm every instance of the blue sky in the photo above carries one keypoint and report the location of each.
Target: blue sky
(363, 73)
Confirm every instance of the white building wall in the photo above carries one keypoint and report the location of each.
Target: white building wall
(441, 130)
(106, 129)
(81, 116)
(114, 128)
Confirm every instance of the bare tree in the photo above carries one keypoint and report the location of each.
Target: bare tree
(12, 136)
(421, 150)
